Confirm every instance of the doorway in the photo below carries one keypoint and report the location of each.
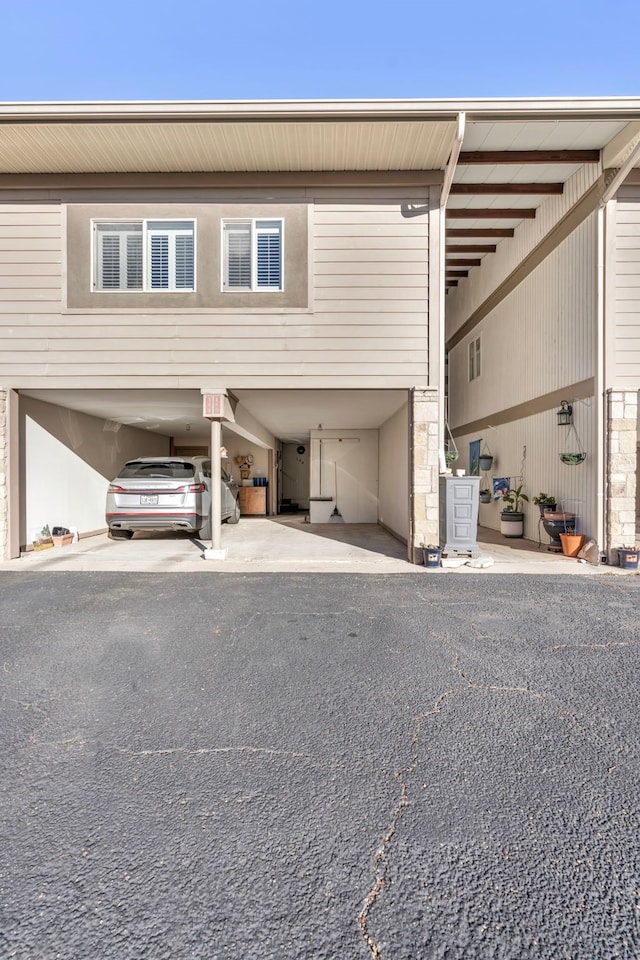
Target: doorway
(294, 485)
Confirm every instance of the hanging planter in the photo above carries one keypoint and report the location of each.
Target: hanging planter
(451, 454)
(575, 455)
(485, 459)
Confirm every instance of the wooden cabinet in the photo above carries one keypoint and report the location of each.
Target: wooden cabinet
(253, 500)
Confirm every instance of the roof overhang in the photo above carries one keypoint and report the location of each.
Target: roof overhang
(279, 136)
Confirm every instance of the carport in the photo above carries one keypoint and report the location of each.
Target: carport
(318, 452)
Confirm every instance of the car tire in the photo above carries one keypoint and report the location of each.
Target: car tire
(204, 533)
(235, 516)
(121, 534)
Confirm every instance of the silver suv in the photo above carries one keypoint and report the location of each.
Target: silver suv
(167, 493)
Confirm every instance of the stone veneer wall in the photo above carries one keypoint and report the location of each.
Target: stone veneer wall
(622, 434)
(425, 470)
(4, 479)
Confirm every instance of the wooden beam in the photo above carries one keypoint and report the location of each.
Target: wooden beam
(487, 232)
(451, 274)
(452, 262)
(471, 248)
(492, 213)
(529, 156)
(452, 283)
(512, 189)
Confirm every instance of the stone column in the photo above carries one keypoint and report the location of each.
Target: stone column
(424, 474)
(622, 458)
(4, 478)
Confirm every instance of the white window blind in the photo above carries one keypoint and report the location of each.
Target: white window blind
(148, 255)
(252, 255)
(119, 254)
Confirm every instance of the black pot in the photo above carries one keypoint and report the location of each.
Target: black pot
(544, 507)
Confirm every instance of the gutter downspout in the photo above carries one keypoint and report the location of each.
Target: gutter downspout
(444, 197)
(610, 190)
(599, 386)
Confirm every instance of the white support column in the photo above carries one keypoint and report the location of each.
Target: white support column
(215, 551)
(216, 407)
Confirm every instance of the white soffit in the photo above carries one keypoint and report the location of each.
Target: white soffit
(233, 147)
(541, 134)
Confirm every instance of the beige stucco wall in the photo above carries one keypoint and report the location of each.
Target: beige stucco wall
(208, 218)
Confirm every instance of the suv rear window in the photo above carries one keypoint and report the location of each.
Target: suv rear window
(173, 469)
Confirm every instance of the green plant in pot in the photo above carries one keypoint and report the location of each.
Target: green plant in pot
(545, 503)
(512, 516)
(485, 496)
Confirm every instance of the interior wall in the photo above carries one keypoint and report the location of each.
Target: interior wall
(237, 446)
(344, 467)
(393, 473)
(68, 459)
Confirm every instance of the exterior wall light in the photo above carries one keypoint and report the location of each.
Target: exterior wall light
(565, 414)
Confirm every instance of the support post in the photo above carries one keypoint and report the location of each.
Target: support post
(216, 407)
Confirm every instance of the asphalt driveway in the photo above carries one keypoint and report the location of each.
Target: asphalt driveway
(319, 766)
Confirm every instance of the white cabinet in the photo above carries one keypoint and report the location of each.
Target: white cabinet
(459, 498)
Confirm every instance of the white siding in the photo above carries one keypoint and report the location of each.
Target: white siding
(367, 326)
(624, 364)
(496, 267)
(530, 448)
(537, 340)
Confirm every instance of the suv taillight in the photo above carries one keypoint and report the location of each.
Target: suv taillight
(114, 488)
(192, 488)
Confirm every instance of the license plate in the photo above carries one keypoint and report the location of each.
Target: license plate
(148, 498)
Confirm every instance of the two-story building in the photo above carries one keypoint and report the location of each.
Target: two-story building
(286, 268)
(284, 256)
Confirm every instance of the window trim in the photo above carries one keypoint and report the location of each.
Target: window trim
(252, 222)
(474, 359)
(147, 232)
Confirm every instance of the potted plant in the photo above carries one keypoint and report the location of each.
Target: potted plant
(545, 503)
(485, 496)
(512, 517)
(485, 458)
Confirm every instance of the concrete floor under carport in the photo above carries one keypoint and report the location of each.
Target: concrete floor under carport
(289, 545)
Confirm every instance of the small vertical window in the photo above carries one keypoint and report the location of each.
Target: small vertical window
(252, 255)
(474, 359)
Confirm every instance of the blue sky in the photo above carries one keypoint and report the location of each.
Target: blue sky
(335, 49)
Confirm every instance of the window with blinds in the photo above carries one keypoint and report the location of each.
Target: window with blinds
(145, 255)
(252, 255)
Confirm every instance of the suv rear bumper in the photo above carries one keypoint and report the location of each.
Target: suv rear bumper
(178, 521)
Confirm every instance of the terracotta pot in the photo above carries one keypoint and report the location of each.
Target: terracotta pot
(572, 543)
(63, 541)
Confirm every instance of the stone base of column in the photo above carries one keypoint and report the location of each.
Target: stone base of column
(622, 439)
(425, 519)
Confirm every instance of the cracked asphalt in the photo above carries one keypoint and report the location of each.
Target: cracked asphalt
(319, 766)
